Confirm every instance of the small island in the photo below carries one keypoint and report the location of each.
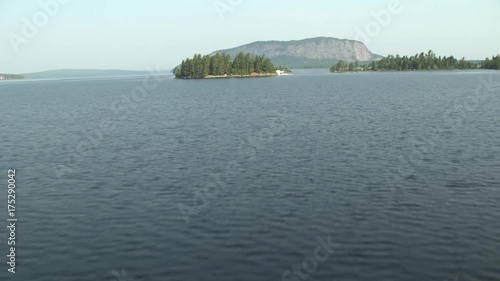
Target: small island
(224, 66)
(422, 61)
(10, 76)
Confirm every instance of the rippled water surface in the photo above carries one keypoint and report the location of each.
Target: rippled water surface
(239, 179)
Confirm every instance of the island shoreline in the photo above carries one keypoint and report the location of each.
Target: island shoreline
(260, 75)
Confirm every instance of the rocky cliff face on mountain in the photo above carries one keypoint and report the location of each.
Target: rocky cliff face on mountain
(313, 52)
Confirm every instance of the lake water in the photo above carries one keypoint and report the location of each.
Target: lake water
(241, 179)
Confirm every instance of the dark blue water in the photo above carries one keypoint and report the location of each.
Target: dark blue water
(241, 179)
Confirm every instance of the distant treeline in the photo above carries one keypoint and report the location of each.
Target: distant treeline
(493, 63)
(420, 61)
(10, 76)
(222, 64)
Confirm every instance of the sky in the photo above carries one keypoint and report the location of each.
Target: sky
(139, 35)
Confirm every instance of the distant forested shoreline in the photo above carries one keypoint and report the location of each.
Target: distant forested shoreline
(493, 63)
(222, 65)
(420, 61)
(10, 76)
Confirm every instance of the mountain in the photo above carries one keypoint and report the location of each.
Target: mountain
(80, 73)
(307, 53)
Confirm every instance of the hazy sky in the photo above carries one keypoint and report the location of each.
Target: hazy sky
(133, 34)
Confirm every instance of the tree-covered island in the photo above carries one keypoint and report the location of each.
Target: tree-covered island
(428, 61)
(222, 65)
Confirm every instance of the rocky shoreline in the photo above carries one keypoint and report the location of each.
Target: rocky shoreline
(240, 76)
